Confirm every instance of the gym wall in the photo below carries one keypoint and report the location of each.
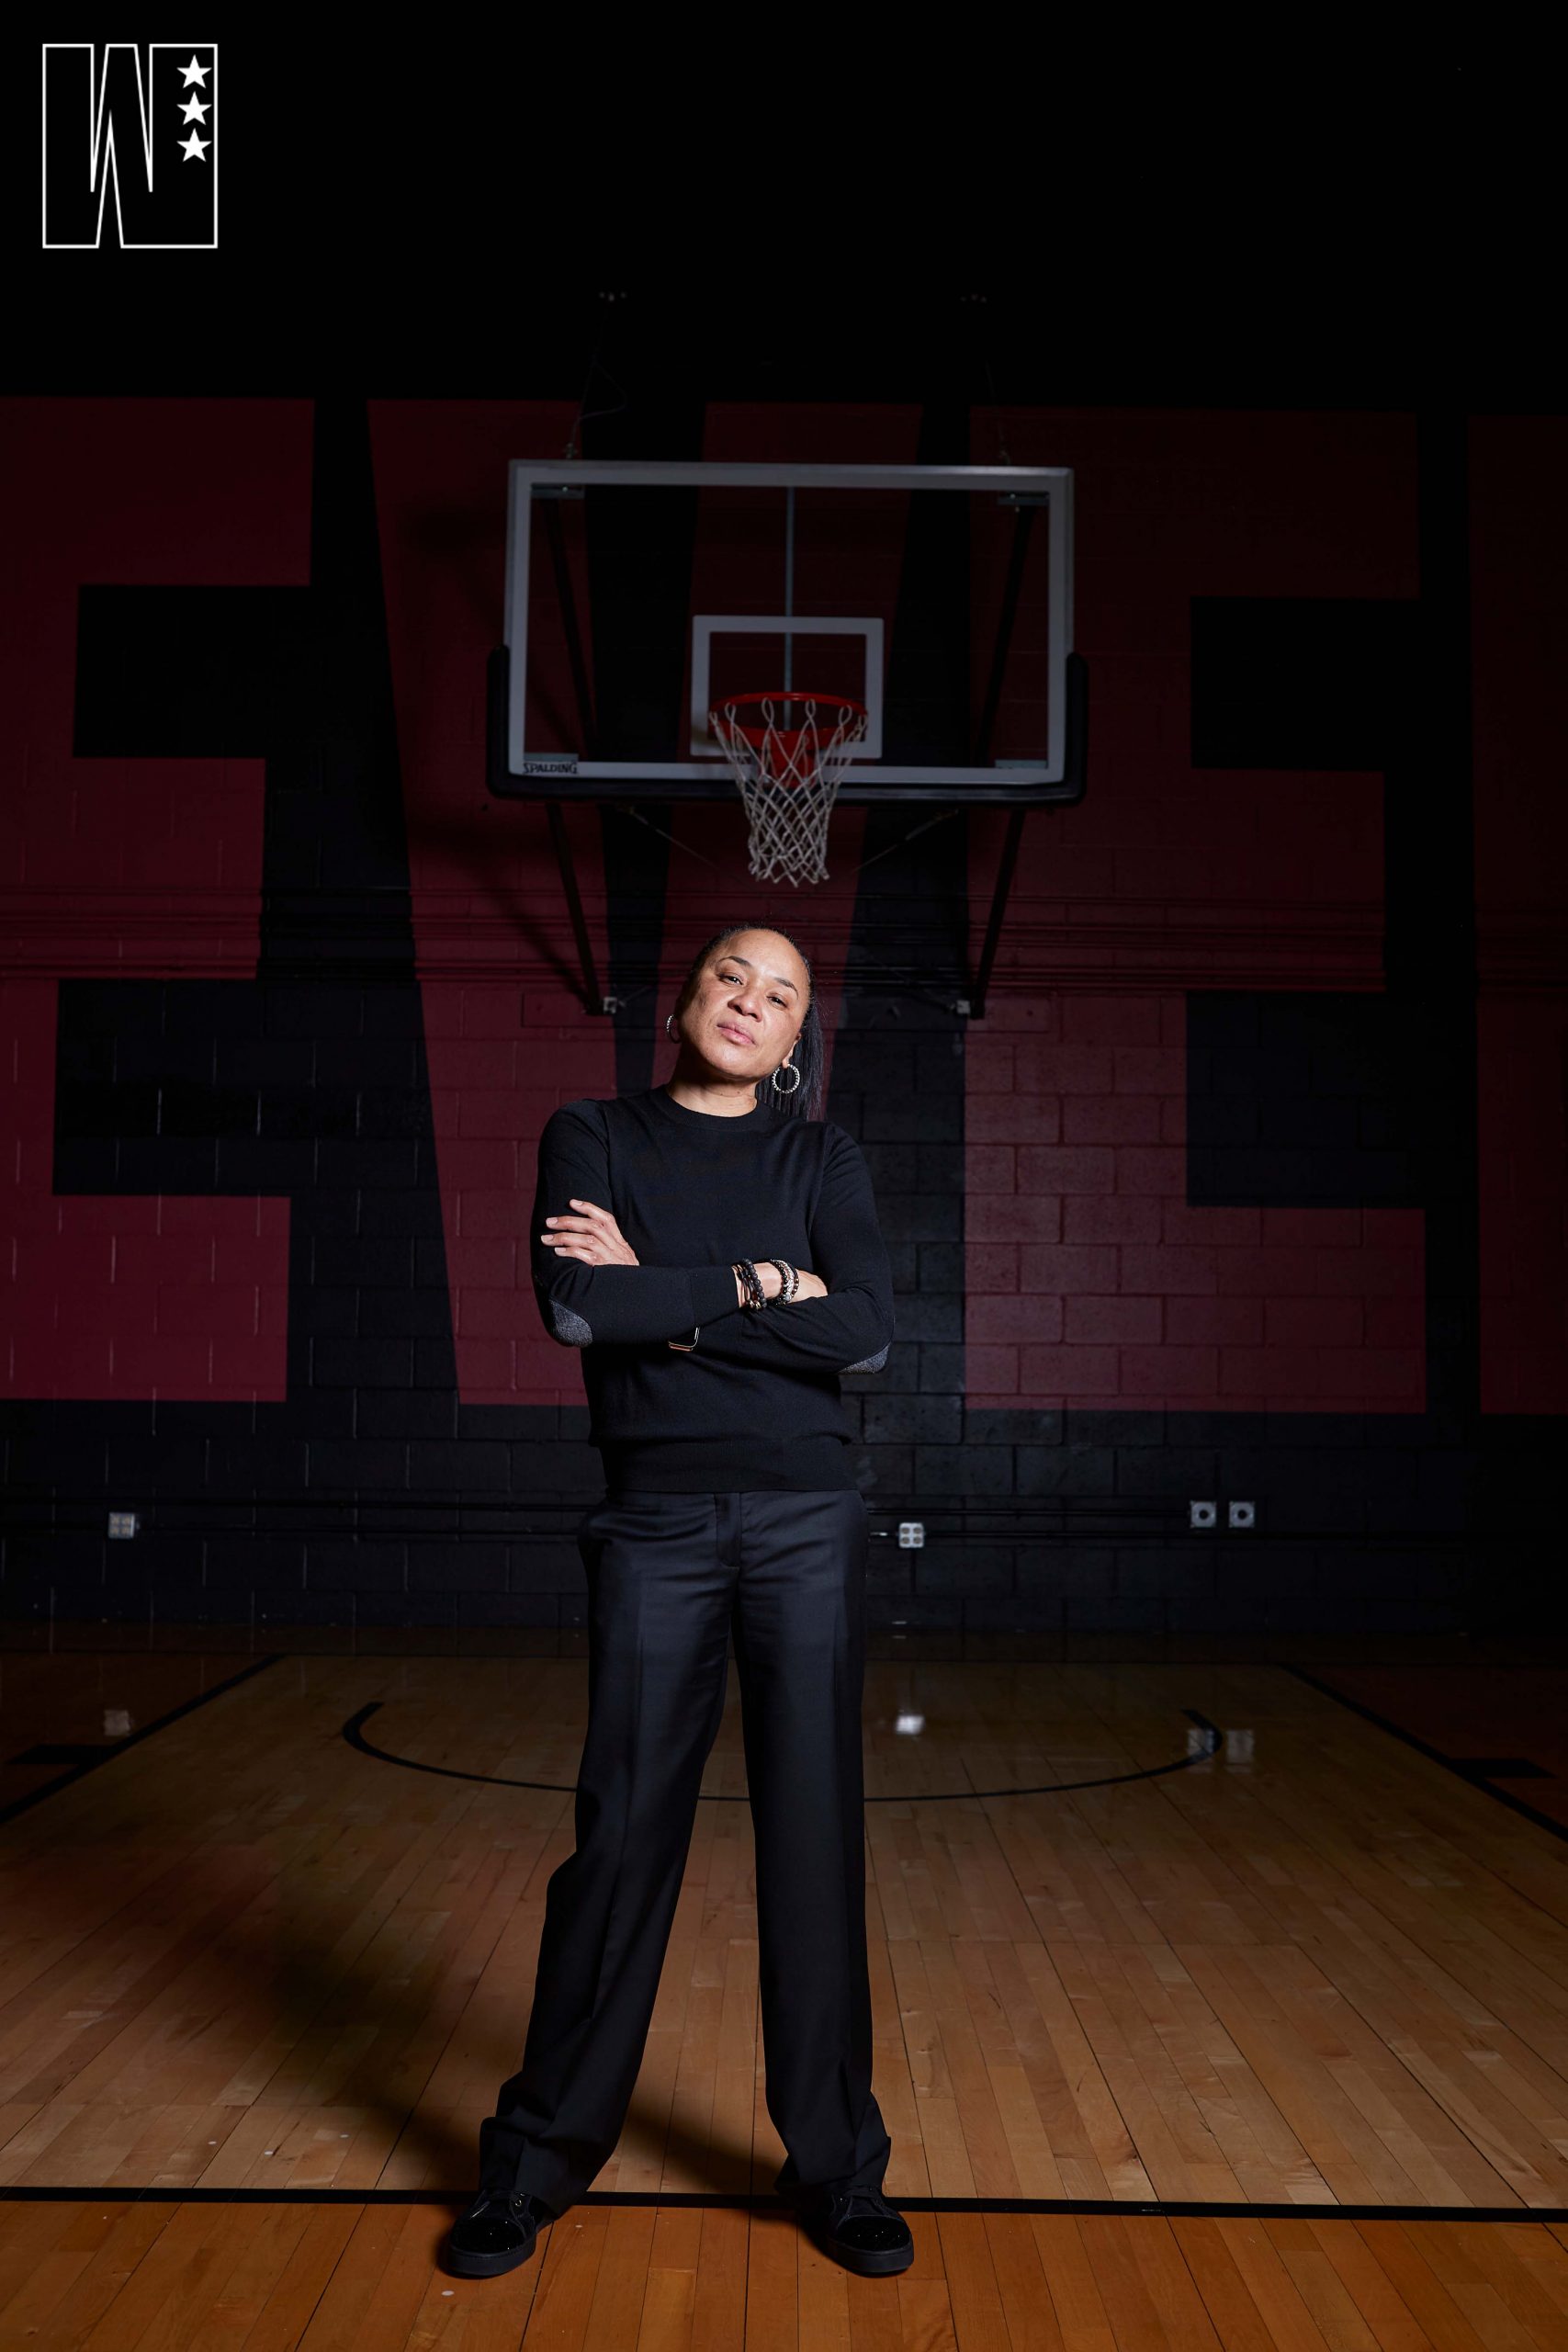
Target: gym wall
(1248, 1184)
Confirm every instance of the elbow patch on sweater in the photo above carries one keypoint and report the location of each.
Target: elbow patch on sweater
(869, 1363)
(569, 1327)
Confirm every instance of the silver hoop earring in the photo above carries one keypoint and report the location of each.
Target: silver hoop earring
(668, 1019)
(786, 1089)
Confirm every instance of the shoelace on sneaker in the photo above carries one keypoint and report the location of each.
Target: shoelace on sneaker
(870, 2201)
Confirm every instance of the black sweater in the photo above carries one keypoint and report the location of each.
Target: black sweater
(756, 1401)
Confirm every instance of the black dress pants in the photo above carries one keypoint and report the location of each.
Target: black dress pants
(669, 1577)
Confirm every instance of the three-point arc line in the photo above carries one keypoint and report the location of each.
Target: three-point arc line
(354, 1733)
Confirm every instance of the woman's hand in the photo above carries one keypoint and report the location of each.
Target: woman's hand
(592, 1235)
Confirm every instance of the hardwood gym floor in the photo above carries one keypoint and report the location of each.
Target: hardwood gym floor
(1219, 2003)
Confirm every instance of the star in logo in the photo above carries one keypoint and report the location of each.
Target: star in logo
(193, 149)
(195, 73)
(194, 110)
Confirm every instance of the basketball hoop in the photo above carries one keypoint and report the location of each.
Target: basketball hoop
(788, 775)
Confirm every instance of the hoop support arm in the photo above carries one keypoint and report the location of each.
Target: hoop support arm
(976, 1004)
(562, 842)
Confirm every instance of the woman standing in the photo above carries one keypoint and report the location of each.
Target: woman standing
(712, 1246)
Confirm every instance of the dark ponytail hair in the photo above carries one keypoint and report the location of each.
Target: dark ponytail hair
(805, 1100)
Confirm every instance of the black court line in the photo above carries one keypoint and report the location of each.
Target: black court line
(134, 1739)
(355, 1739)
(1174, 2209)
(1461, 1767)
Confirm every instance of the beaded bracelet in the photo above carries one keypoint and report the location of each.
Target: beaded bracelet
(755, 1295)
(788, 1277)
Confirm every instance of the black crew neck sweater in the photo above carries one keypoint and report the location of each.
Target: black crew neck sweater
(755, 1400)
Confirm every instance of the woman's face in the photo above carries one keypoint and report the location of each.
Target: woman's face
(745, 1010)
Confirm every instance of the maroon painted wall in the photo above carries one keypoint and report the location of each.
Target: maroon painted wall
(1091, 1283)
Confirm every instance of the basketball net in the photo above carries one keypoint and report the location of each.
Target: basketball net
(788, 775)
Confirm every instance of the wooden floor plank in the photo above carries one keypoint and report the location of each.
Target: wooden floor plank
(43, 2254)
(822, 2312)
(943, 2153)
(1240, 2325)
(1279, 2303)
(561, 2277)
(917, 2317)
(1320, 2286)
(1419, 2288)
(1116, 2158)
(1021, 2283)
(1138, 2322)
(1172, 2288)
(974, 2291)
(270, 2236)
(131, 2232)
(614, 2314)
(1473, 2289)
(293, 2295)
(773, 2285)
(961, 1992)
(172, 2274)
(1343, 2148)
(718, 2307)
(27, 2236)
(208, 2282)
(1537, 2255)
(1076, 2298)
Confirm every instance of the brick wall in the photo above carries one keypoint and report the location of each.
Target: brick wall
(1245, 1186)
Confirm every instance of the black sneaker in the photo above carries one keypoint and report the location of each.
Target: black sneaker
(496, 2234)
(860, 2229)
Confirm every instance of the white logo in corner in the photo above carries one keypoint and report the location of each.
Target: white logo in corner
(138, 125)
